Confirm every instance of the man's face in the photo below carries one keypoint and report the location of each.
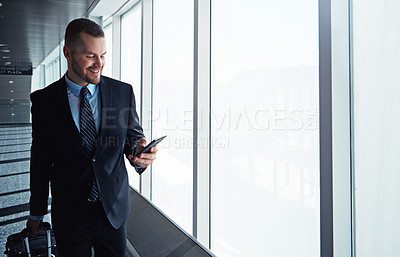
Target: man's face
(86, 61)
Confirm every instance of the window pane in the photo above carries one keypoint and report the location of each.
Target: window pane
(173, 105)
(131, 46)
(265, 136)
(57, 69)
(107, 70)
(376, 41)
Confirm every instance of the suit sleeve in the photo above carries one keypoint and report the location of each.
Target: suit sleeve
(41, 164)
(134, 130)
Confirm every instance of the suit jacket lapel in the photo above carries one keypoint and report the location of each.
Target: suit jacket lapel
(106, 104)
(66, 115)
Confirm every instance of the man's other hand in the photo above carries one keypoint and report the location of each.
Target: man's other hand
(34, 224)
(144, 159)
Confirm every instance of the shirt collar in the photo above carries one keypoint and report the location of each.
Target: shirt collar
(76, 89)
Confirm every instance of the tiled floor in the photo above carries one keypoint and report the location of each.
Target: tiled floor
(15, 142)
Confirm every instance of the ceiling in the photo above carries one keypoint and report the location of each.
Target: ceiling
(29, 31)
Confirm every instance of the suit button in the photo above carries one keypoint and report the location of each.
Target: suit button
(94, 159)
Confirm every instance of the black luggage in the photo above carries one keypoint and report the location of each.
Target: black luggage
(23, 244)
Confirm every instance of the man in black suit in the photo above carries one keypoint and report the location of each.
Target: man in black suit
(82, 126)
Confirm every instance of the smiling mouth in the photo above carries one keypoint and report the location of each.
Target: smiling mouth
(96, 71)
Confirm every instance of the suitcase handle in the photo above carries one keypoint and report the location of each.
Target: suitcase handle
(26, 232)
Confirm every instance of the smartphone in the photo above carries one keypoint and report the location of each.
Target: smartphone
(146, 149)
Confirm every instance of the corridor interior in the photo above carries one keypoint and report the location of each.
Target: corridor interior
(15, 143)
(150, 232)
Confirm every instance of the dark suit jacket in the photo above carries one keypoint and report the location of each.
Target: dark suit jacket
(58, 155)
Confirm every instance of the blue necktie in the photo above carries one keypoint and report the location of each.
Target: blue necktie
(88, 134)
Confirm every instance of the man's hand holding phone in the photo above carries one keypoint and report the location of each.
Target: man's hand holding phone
(143, 159)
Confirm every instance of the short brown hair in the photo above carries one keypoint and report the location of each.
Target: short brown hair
(76, 27)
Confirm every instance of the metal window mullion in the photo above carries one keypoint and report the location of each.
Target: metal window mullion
(352, 150)
(325, 121)
(116, 47)
(341, 129)
(201, 121)
(195, 115)
(147, 87)
(60, 54)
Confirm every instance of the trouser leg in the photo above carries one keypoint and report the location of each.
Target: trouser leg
(93, 230)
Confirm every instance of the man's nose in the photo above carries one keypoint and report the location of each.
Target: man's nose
(98, 61)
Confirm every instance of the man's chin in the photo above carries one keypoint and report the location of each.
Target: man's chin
(93, 80)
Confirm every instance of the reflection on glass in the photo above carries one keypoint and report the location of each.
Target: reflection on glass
(376, 41)
(172, 110)
(107, 70)
(131, 42)
(265, 153)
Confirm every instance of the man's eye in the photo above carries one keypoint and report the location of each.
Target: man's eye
(90, 56)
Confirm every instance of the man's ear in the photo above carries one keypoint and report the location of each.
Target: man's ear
(67, 52)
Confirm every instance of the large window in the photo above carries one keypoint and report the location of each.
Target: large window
(376, 41)
(131, 63)
(53, 71)
(107, 70)
(172, 109)
(265, 158)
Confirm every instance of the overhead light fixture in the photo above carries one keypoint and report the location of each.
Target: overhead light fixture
(2, 44)
(6, 57)
(5, 50)
(11, 81)
(1, 4)
(7, 63)
(12, 91)
(12, 114)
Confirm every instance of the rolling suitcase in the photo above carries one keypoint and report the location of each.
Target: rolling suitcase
(22, 244)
